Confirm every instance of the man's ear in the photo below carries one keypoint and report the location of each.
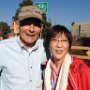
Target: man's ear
(17, 23)
(16, 27)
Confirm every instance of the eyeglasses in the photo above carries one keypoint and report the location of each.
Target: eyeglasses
(63, 41)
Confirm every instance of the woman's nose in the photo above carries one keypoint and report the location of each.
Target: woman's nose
(59, 43)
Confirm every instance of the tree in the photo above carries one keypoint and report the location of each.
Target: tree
(24, 3)
(72, 23)
(4, 29)
(46, 24)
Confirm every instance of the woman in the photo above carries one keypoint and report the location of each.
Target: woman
(64, 71)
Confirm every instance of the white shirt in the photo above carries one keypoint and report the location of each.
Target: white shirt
(21, 70)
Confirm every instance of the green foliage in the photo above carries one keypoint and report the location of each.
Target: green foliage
(16, 15)
(4, 29)
(72, 23)
(24, 3)
(46, 23)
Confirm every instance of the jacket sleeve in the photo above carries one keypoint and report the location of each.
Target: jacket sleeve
(79, 76)
(85, 77)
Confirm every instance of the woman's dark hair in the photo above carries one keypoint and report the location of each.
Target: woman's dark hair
(53, 31)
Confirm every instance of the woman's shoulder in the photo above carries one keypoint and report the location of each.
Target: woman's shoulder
(79, 65)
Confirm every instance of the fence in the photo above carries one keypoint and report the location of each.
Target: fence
(86, 57)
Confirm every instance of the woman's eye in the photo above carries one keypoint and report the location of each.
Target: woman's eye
(54, 39)
(64, 40)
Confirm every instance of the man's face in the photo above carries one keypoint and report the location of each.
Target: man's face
(29, 31)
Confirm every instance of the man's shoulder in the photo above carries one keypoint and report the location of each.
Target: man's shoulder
(40, 42)
(8, 41)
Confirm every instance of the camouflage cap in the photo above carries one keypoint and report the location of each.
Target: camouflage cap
(30, 12)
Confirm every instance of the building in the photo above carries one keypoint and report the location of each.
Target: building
(80, 30)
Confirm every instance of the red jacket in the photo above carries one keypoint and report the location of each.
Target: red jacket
(79, 75)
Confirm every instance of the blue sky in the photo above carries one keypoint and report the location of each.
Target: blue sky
(59, 11)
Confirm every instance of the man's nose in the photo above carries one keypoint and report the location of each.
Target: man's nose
(31, 29)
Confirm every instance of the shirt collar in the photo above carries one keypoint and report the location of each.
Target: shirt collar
(35, 47)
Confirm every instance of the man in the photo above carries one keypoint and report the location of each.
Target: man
(21, 57)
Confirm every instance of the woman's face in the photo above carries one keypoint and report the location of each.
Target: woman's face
(59, 46)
